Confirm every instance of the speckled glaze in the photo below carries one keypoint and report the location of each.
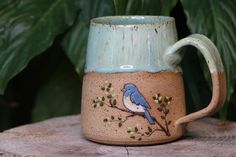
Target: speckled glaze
(133, 90)
(129, 44)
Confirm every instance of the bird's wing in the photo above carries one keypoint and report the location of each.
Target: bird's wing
(137, 98)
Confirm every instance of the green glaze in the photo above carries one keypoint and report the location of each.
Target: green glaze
(142, 43)
(129, 43)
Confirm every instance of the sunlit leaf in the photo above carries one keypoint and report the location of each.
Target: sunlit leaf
(144, 7)
(75, 41)
(27, 28)
(217, 20)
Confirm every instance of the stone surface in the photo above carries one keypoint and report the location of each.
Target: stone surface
(61, 137)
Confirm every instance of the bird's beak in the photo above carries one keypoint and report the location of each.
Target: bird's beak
(123, 90)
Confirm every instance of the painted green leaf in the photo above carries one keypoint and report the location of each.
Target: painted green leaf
(27, 28)
(149, 129)
(105, 120)
(112, 117)
(144, 7)
(167, 111)
(217, 20)
(159, 109)
(75, 41)
(114, 102)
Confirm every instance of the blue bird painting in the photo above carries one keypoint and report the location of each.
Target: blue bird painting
(135, 102)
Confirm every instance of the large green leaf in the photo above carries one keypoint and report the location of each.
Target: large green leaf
(217, 20)
(196, 88)
(5, 4)
(144, 7)
(27, 28)
(75, 41)
(60, 95)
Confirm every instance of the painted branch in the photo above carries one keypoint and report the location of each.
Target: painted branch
(166, 123)
(124, 110)
(164, 130)
(142, 134)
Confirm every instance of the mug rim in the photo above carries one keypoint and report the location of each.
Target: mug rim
(126, 21)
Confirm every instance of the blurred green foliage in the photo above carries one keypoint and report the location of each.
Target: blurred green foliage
(43, 48)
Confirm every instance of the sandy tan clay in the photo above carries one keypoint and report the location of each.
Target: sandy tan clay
(133, 91)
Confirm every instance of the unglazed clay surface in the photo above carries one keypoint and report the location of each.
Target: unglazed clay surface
(106, 119)
(133, 89)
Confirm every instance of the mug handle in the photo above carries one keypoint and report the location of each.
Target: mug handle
(212, 57)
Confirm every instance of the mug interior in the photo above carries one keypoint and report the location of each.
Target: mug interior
(132, 20)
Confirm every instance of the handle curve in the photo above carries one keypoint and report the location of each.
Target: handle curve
(212, 57)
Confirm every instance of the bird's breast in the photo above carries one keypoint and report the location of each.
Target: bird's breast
(132, 106)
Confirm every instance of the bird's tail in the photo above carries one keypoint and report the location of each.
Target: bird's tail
(149, 118)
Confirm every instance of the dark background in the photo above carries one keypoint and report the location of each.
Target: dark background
(50, 86)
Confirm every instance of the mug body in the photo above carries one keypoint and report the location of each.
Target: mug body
(130, 95)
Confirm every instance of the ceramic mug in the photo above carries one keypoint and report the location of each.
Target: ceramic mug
(133, 91)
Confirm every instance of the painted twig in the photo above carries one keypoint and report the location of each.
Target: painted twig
(112, 103)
